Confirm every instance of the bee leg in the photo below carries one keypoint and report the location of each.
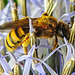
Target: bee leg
(60, 35)
(25, 50)
(25, 43)
(55, 42)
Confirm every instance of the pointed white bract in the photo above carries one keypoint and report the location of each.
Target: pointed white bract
(67, 6)
(69, 53)
(67, 16)
(51, 71)
(28, 62)
(73, 73)
(46, 57)
(6, 73)
(72, 3)
(4, 64)
(1, 47)
(39, 68)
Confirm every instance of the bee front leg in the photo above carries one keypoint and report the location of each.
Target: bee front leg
(55, 42)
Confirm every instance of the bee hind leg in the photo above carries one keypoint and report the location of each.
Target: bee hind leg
(25, 43)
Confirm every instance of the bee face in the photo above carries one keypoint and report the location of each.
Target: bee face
(61, 26)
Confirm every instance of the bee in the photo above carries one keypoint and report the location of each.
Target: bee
(45, 27)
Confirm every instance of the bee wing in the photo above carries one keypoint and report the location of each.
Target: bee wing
(5, 31)
(15, 24)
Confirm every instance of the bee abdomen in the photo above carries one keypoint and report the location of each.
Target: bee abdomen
(14, 38)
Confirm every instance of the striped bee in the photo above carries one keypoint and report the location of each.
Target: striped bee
(45, 27)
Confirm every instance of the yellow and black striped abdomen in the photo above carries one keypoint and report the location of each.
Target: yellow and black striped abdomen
(14, 39)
